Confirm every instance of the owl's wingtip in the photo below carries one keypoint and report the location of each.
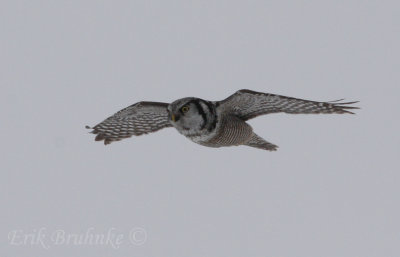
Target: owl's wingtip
(343, 107)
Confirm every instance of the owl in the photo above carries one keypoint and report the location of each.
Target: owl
(210, 123)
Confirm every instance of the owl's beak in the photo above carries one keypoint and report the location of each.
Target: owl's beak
(175, 118)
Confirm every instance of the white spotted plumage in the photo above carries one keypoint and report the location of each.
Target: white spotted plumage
(210, 123)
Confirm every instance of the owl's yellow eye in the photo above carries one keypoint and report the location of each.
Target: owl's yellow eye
(185, 109)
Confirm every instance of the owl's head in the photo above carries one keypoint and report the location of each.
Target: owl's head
(191, 115)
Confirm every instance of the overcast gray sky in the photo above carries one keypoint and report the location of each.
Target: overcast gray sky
(332, 188)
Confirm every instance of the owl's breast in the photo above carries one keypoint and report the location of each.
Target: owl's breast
(229, 131)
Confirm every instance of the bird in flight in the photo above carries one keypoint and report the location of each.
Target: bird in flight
(210, 123)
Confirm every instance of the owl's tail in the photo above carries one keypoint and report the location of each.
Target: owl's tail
(260, 143)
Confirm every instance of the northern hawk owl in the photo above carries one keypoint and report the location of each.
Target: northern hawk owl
(210, 123)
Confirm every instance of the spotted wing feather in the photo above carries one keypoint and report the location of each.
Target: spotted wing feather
(248, 104)
(137, 119)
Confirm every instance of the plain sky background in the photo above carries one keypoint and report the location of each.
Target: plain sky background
(332, 188)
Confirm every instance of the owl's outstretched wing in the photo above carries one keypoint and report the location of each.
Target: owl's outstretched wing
(248, 104)
(137, 119)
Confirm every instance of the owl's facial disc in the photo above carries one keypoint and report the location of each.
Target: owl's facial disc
(187, 114)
